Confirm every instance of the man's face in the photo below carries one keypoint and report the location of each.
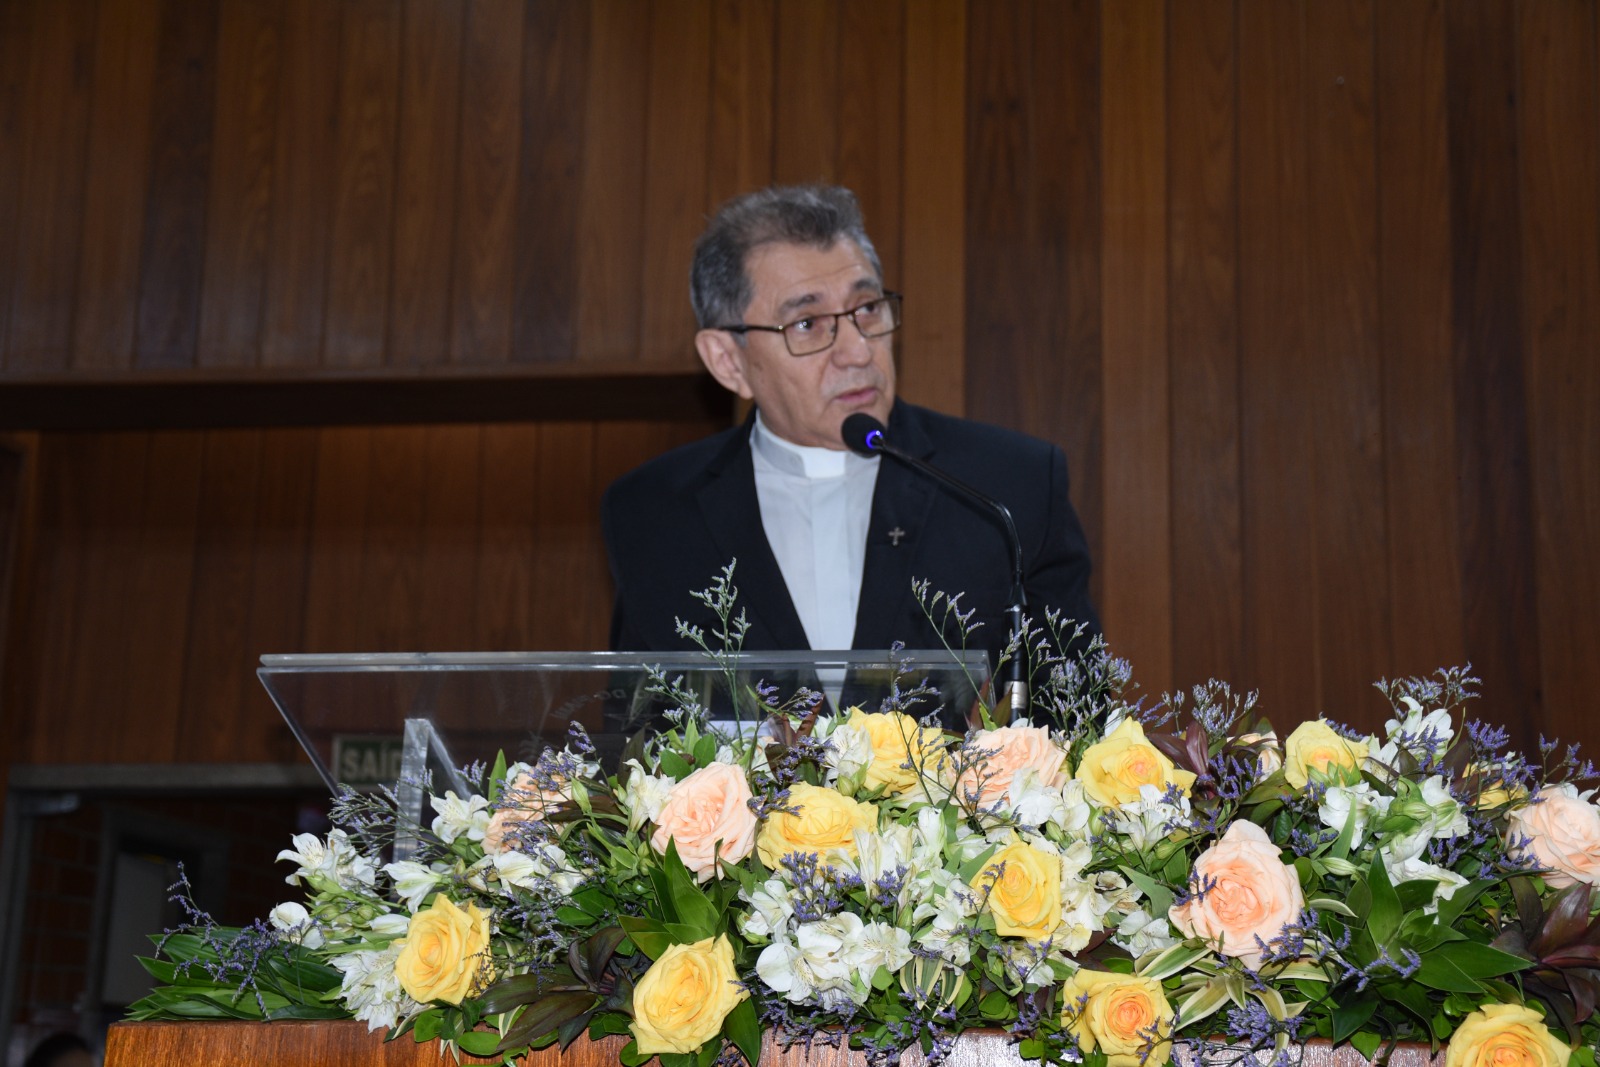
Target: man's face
(803, 399)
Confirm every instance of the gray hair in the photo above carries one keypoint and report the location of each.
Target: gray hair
(815, 215)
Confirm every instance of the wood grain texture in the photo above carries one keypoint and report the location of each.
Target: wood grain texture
(428, 164)
(1499, 584)
(117, 170)
(1558, 115)
(1203, 339)
(172, 257)
(1136, 380)
(740, 149)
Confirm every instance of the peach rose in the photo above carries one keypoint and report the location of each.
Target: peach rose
(1564, 835)
(442, 952)
(1505, 1035)
(1122, 1015)
(900, 749)
(685, 996)
(1250, 893)
(711, 805)
(1316, 748)
(1014, 748)
(826, 820)
(522, 802)
(1025, 898)
(1113, 769)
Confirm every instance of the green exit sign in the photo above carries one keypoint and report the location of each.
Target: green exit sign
(366, 761)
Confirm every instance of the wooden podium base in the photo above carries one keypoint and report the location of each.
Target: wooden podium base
(349, 1044)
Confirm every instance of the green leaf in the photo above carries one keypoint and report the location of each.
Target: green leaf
(1350, 1015)
(1440, 973)
(544, 1016)
(1174, 959)
(694, 909)
(574, 917)
(997, 1005)
(1386, 913)
(630, 1056)
(1366, 1042)
(648, 935)
(604, 1024)
(426, 1027)
(1480, 961)
(479, 1042)
(1160, 897)
(674, 766)
(497, 778)
(705, 750)
(743, 1028)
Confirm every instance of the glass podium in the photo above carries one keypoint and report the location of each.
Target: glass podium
(404, 719)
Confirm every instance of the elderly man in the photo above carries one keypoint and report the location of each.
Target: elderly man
(793, 314)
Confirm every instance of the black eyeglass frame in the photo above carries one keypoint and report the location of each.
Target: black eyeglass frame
(896, 300)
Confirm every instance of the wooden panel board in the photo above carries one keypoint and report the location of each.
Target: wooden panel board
(1419, 397)
(1276, 449)
(744, 42)
(53, 125)
(612, 200)
(239, 217)
(483, 281)
(1344, 373)
(15, 43)
(1137, 560)
(676, 135)
(361, 254)
(114, 187)
(212, 720)
(1558, 122)
(391, 550)
(871, 105)
(451, 494)
(933, 260)
(172, 259)
(550, 181)
(806, 97)
(335, 618)
(428, 159)
(303, 186)
(1203, 249)
(1490, 385)
(510, 537)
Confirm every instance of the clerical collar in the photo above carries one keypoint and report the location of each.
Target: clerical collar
(808, 461)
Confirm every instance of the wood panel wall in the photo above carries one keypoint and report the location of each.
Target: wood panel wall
(1309, 292)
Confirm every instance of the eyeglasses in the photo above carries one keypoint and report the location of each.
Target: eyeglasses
(816, 333)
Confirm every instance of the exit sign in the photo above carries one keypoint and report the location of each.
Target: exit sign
(366, 761)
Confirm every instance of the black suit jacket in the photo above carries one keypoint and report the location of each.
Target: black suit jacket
(672, 524)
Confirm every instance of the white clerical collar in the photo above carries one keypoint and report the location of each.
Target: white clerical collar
(809, 461)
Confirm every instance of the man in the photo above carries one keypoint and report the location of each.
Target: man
(789, 295)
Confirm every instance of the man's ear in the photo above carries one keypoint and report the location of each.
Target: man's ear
(725, 358)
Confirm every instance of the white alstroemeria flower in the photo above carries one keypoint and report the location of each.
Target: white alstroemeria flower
(781, 968)
(816, 965)
(389, 926)
(879, 945)
(951, 905)
(296, 925)
(1077, 810)
(1341, 803)
(1409, 733)
(331, 866)
(412, 882)
(644, 796)
(848, 753)
(1422, 815)
(1074, 858)
(927, 844)
(370, 989)
(536, 868)
(1152, 818)
(770, 909)
(460, 817)
(1140, 934)
(1033, 802)
(1081, 917)
(1416, 870)
(882, 853)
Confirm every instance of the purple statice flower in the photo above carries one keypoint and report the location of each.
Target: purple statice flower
(820, 889)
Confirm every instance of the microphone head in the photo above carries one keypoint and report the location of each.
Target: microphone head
(862, 434)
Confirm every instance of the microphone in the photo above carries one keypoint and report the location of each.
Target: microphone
(866, 436)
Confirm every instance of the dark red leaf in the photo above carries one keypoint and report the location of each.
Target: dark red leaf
(1564, 924)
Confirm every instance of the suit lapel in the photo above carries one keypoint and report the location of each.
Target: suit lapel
(896, 534)
(732, 514)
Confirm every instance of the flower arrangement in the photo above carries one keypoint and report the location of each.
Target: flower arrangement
(1103, 881)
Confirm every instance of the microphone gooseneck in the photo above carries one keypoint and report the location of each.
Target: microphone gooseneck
(866, 436)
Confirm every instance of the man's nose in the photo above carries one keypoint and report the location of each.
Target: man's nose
(850, 348)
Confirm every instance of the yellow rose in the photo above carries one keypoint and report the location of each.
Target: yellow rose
(897, 740)
(683, 998)
(1115, 767)
(1493, 792)
(1505, 1035)
(1026, 896)
(443, 952)
(1124, 1016)
(827, 820)
(1314, 748)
